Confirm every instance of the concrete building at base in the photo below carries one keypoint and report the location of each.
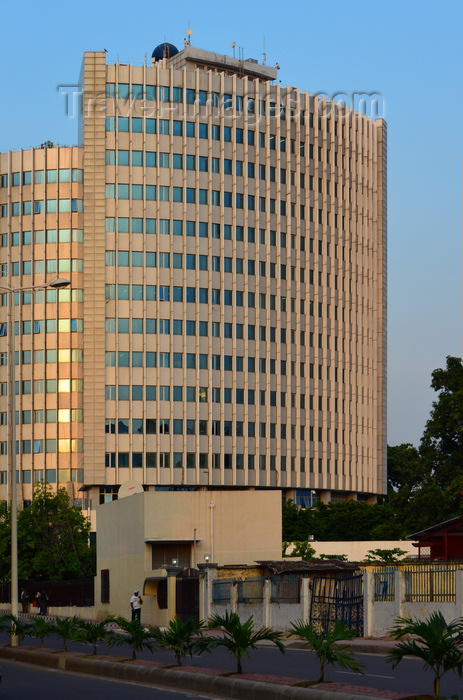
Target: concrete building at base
(225, 327)
(159, 543)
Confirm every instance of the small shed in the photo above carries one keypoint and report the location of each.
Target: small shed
(442, 541)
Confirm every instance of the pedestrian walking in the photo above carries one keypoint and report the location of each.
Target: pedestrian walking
(135, 603)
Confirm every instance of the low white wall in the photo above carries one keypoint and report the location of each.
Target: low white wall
(357, 551)
(379, 615)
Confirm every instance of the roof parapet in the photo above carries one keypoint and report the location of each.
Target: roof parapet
(190, 55)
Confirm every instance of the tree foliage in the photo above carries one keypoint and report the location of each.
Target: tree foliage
(53, 539)
(239, 637)
(434, 641)
(386, 556)
(182, 638)
(326, 645)
(331, 522)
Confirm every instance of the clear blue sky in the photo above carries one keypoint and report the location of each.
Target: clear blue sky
(410, 52)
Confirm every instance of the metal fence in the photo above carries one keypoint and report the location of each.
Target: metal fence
(431, 582)
(251, 590)
(384, 583)
(79, 592)
(221, 591)
(286, 589)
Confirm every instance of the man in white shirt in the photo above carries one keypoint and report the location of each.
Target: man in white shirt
(135, 604)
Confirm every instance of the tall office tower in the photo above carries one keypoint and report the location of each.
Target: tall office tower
(225, 239)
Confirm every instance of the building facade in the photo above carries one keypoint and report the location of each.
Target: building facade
(225, 326)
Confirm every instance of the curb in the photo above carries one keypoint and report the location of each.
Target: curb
(174, 679)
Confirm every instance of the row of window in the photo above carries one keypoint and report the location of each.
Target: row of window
(61, 415)
(191, 195)
(45, 475)
(50, 325)
(228, 428)
(191, 261)
(204, 460)
(40, 206)
(215, 394)
(62, 386)
(215, 132)
(45, 446)
(52, 235)
(179, 227)
(136, 392)
(41, 176)
(41, 267)
(40, 356)
(203, 164)
(180, 327)
(202, 98)
(40, 296)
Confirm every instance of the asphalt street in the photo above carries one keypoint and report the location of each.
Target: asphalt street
(409, 676)
(26, 681)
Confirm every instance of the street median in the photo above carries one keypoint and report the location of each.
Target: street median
(173, 678)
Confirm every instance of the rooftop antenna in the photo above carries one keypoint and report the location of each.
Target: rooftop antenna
(233, 47)
(189, 32)
(146, 58)
(264, 55)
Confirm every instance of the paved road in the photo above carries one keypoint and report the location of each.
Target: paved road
(27, 681)
(408, 676)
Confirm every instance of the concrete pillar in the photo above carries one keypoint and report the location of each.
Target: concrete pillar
(399, 582)
(459, 593)
(306, 591)
(172, 572)
(368, 603)
(267, 601)
(234, 597)
(207, 574)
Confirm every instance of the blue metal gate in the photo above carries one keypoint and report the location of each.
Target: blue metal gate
(337, 598)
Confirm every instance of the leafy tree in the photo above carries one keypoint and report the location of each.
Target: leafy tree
(239, 637)
(301, 549)
(181, 637)
(133, 634)
(5, 622)
(40, 628)
(339, 557)
(19, 627)
(386, 556)
(434, 641)
(91, 632)
(294, 522)
(53, 539)
(404, 467)
(441, 446)
(326, 645)
(66, 629)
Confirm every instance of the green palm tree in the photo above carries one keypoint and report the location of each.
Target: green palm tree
(239, 637)
(19, 627)
(435, 641)
(40, 628)
(66, 629)
(5, 622)
(133, 634)
(326, 645)
(91, 632)
(181, 637)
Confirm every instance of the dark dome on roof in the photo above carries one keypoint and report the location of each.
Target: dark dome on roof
(164, 50)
